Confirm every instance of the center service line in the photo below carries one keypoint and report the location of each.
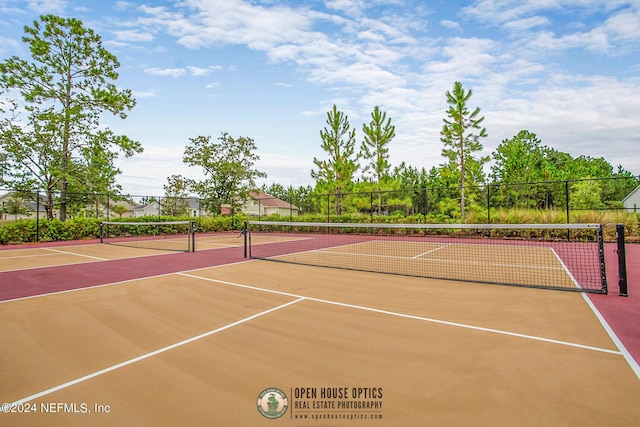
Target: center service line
(153, 353)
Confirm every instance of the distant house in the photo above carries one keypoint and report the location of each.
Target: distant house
(149, 209)
(128, 213)
(263, 204)
(195, 207)
(32, 207)
(260, 203)
(632, 201)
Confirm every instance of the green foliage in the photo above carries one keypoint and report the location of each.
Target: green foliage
(49, 230)
(65, 88)
(15, 206)
(335, 174)
(176, 191)
(586, 195)
(461, 135)
(20, 231)
(375, 147)
(229, 168)
(119, 210)
(23, 231)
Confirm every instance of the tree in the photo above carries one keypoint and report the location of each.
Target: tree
(277, 190)
(65, 89)
(119, 209)
(335, 175)
(460, 138)
(229, 168)
(375, 148)
(586, 194)
(176, 191)
(518, 162)
(518, 159)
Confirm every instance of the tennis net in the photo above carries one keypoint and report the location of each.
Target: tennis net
(555, 256)
(165, 235)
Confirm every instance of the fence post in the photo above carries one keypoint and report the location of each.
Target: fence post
(488, 203)
(371, 207)
(328, 207)
(426, 204)
(37, 216)
(566, 192)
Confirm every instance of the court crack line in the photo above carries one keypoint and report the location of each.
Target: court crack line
(409, 316)
(153, 353)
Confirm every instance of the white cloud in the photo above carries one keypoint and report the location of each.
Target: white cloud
(526, 24)
(145, 94)
(169, 72)
(123, 5)
(47, 6)
(624, 26)
(349, 7)
(452, 25)
(200, 71)
(285, 169)
(147, 172)
(132, 36)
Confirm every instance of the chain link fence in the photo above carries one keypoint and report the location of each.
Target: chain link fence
(553, 201)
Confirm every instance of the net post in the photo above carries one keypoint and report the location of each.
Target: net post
(192, 235)
(244, 232)
(622, 261)
(603, 271)
(101, 232)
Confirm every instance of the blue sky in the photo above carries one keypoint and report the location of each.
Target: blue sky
(567, 70)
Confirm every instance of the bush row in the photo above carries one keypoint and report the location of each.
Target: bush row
(25, 231)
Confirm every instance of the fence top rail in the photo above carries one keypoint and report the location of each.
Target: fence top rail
(430, 226)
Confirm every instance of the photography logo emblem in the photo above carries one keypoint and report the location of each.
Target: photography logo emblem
(272, 403)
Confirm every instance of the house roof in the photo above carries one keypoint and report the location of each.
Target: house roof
(270, 201)
(31, 204)
(632, 194)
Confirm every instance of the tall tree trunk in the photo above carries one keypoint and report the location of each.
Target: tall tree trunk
(463, 181)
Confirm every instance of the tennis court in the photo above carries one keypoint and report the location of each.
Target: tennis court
(135, 336)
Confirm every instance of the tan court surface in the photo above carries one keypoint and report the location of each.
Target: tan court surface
(414, 351)
(18, 259)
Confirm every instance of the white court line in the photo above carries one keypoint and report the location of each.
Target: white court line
(408, 316)
(151, 354)
(82, 262)
(432, 250)
(426, 260)
(104, 285)
(629, 358)
(72, 253)
(566, 269)
(26, 256)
